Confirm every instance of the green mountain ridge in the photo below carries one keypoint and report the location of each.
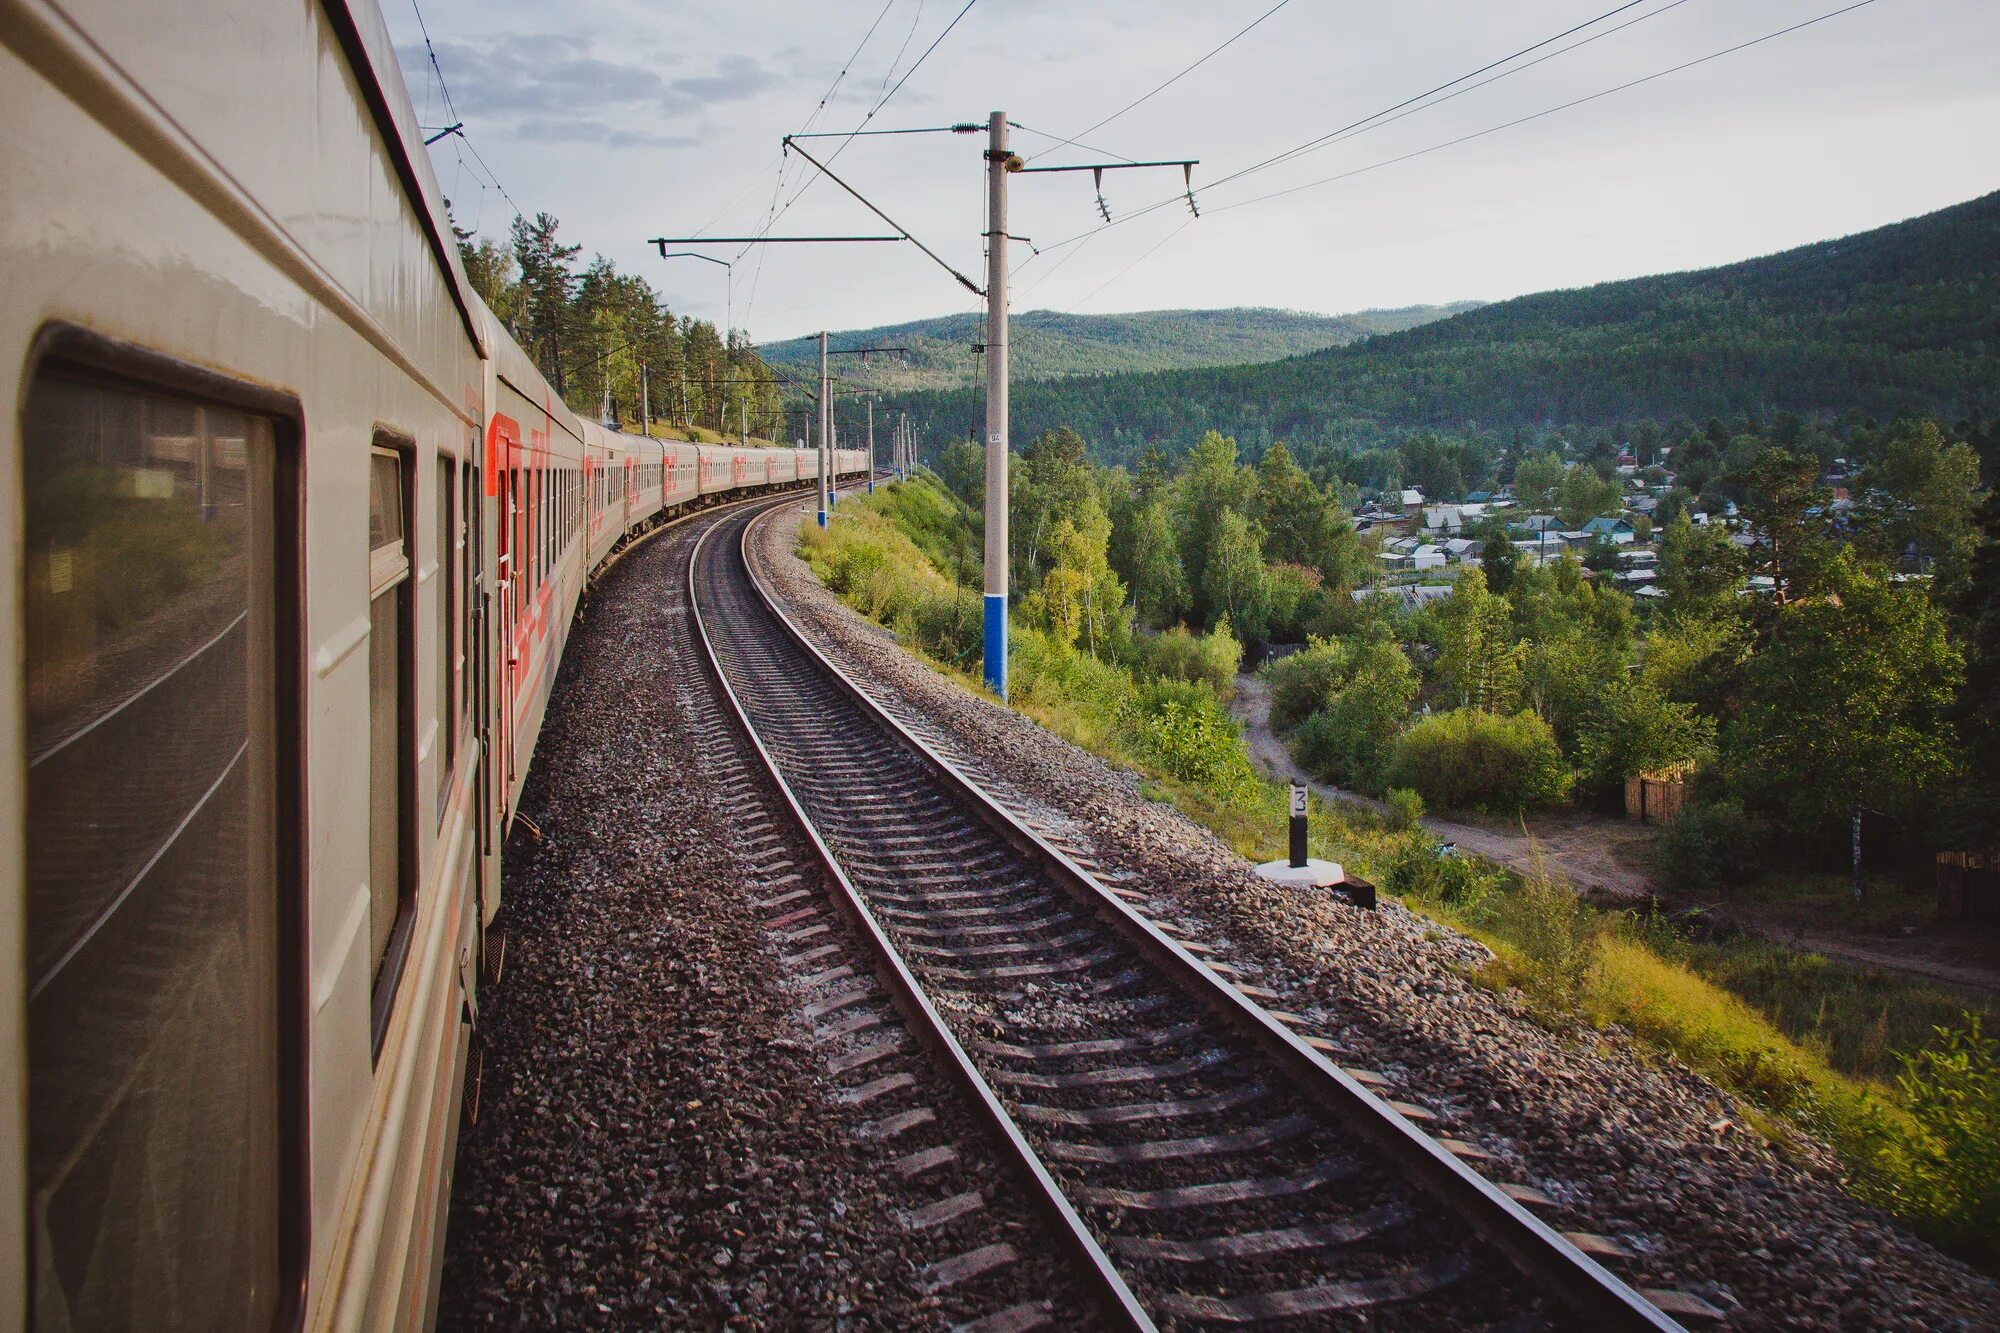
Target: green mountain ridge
(1049, 344)
(1901, 319)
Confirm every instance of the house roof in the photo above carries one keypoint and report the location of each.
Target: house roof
(1606, 524)
(1411, 595)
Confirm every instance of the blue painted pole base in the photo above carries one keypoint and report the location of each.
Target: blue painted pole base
(996, 643)
(822, 518)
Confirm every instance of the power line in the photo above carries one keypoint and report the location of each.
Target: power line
(902, 50)
(1060, 141)
(451, 111)
(1310, 144)
(1466, 138)
(1408, 106)
(879, 104)
(1563, 106)
(776, 210)
(1129, 106)
(1185, 224)
(849, 62)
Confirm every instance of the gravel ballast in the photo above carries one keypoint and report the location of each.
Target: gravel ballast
(1624, 1144)
(675, 1128)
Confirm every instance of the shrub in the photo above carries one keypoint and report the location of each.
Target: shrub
(1418, 869)
(1558, 937)
(1406, 808)
(1291, 595)
(1467, 758)
(1210, 659)
(1363, 721)
(1951, 1179)
(1705, 848)
(949, 627)
(1304, 682)
(1181, 729)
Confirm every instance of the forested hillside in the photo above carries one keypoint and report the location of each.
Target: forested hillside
(1049, 344)
(1903, 319)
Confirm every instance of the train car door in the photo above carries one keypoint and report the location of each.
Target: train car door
(479, 678)
(503, 482)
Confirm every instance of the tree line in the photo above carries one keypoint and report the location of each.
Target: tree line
(597, 334)
(1818, 660)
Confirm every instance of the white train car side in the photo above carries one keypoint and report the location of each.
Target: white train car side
(299, 533)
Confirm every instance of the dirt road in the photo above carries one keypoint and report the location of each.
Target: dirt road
(1603, 856)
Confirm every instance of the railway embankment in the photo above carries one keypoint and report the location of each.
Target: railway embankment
(1612, 1136)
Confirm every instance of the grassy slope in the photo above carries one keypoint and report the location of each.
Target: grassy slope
(1050, 344)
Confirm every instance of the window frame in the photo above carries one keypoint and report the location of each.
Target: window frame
(387, 440)
(445, 472)
(68, 349)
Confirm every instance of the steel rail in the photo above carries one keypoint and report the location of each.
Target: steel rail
(1572, 1277)
(926, 1024)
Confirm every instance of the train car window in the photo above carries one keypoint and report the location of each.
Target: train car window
(154, 954)
(468, 553)
(517, 526)
(391, 886)
(447, 646)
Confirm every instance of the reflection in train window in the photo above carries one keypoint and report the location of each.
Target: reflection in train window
(447, 648)
(152, 860)
(391, 882)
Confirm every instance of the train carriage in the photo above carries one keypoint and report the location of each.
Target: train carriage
(299, 533)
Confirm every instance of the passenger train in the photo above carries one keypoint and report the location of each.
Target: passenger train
(297, 533)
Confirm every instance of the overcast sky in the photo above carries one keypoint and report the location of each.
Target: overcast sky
(634, 118)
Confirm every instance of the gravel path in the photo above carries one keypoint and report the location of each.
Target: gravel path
(678, 1125)
(1636, 1148)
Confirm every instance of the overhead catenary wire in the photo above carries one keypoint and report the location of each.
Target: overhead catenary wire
(872, 112)
(778, 210)
(903, 50)
(1185, 224)
(1477, 134)
(1562, 106)
(451, 112)
(1141, 100)
(1310, 144)
(1409, 107)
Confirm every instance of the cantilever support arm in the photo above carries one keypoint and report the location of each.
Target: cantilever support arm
(969, 285)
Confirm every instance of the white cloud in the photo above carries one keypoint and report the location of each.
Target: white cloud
(640, 118)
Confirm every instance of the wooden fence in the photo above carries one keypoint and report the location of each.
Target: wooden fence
(1654, 797)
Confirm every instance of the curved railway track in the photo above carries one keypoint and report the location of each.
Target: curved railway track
(1204, 1164)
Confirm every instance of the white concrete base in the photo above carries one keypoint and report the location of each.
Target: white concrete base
(1314, 874)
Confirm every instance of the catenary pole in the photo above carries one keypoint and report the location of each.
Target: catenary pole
(825, 429)
(871, 444)
(996, 404)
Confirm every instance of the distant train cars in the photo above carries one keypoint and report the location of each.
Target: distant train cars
(298, 533)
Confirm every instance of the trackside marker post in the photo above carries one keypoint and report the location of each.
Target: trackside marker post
(1300, 870)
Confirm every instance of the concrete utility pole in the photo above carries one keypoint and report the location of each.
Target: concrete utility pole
(871, 444)
(743, 418)
(825, 431)
(997, 163)
(645, 404)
